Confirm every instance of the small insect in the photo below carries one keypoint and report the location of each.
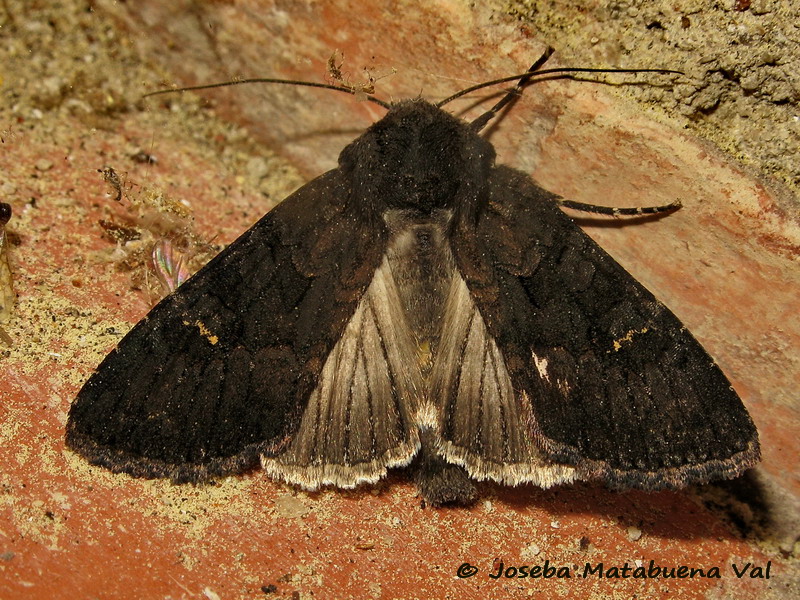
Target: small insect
(335, 62)
(416, 306)
(7, 295)
(336, 74)
(112, 177)
(119, 233)
(144, 157)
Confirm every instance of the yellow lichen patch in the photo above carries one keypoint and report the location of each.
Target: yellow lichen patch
(204, 331)
(627, 338)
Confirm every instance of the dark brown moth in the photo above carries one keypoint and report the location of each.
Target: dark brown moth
(418, 305)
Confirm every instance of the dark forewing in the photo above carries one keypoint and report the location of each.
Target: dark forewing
(221, 371)
(613, 382)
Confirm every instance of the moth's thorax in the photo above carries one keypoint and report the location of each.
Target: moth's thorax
(418, 157)
(422, 267)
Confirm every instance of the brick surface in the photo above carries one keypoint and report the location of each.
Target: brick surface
(725, 264)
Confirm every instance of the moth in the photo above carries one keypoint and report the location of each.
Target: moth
(417, 306)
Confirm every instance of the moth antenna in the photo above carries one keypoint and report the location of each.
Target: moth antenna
(524, 79)
(481, 121)
(326, 86)
(616, 212)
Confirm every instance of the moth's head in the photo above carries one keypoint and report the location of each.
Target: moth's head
(418, 157)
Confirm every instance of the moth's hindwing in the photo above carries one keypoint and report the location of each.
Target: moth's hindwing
(360, 419)
(221, 372)
(481, 424)
(604, 376)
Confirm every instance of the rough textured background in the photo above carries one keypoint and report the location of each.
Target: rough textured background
(72, 73)
(740, 56)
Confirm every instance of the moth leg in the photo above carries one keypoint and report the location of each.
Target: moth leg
(440, 482)
(616, 212)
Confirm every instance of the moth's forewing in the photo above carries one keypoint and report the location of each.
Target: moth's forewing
(220, 371)
(614, 383)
